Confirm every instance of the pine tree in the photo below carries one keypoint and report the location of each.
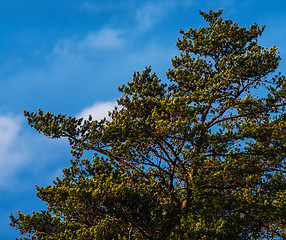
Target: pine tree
(200, 156)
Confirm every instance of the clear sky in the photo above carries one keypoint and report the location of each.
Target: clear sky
(70, 56)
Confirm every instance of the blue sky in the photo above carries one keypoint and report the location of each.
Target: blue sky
(70, 57)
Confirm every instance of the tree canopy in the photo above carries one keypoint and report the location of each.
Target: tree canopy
(200, 155)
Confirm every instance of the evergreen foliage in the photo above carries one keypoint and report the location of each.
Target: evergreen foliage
(199, 157)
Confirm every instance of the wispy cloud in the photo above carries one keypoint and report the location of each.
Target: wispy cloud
(103, 40)
(13, 151)
(9, 128)
(151, 13)
(144, 14)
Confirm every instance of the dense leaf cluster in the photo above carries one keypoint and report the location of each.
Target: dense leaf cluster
(200, 157)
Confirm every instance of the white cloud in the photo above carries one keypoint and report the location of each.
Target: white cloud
(27, 158)
(98, 111)
(13, 153)
(153, 12)
(149, 14)
(9, 129)
(103, 40)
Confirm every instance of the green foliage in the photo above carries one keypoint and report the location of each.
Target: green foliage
(201, 157)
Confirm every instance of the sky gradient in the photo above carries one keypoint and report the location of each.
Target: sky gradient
(71, 56)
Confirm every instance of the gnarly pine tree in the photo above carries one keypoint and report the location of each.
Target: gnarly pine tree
(199, 157)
